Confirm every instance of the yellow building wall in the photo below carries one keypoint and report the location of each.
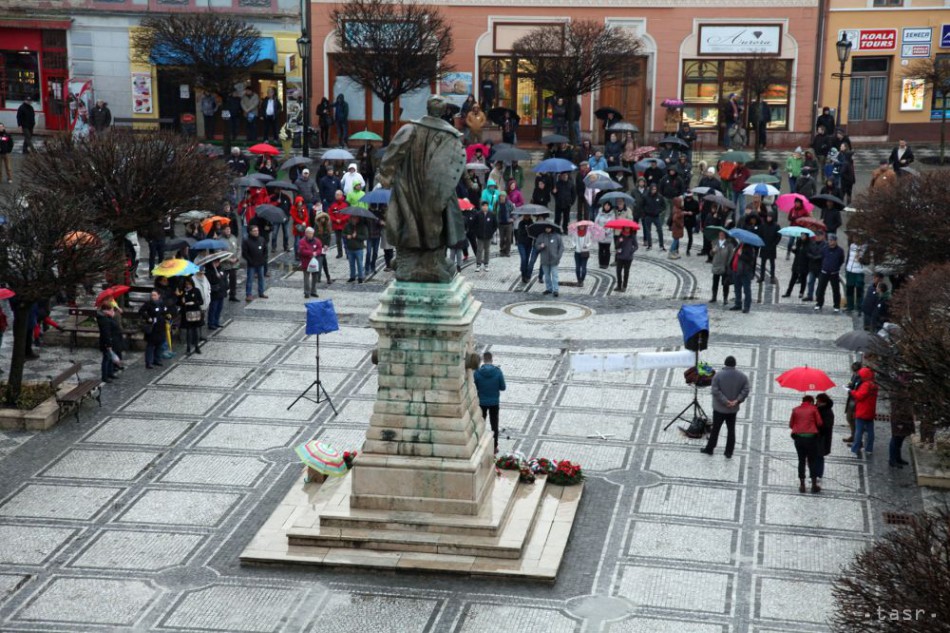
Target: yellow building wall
(880, 19)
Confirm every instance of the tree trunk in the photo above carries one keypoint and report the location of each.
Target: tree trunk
(755, 124)
(21, 330)
(571, 104)
(226, 138)
(387, 122)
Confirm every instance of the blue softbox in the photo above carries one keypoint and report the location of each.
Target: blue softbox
(694, 321)
(321, 317)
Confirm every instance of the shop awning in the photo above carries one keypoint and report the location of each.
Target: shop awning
(266, 52)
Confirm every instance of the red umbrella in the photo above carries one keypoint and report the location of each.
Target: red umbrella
(465, 204)
(811, 223)
(111, 293)
(805, 379)
(6, 293)
(264, 148)
(642, 151)
(622, 223)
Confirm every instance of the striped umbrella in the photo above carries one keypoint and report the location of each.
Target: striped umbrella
(322, 457)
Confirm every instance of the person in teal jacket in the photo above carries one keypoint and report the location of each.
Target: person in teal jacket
(489, 382)
(490, 195)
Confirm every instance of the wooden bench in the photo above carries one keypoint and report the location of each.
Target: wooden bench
(77, 317)
(73, 399)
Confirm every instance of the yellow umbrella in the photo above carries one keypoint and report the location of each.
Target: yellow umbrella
(168, 334)
(174, 268)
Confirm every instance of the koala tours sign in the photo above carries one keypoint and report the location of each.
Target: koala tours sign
(870, 39)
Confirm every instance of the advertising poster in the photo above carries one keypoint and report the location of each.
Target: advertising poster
(141, 93)
(912, 95)
(455, 87)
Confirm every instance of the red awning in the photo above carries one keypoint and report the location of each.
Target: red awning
(30, 23)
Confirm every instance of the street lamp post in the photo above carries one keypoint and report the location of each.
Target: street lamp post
(303, 48)
(843, 48)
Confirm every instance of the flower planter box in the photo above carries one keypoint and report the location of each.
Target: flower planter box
(43, 416)
(932, 468)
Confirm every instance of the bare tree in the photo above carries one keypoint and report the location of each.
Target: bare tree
(211, 51)
(934, 72)
(47, 246)
(391, 47)
(127, 182)
(899, 583)
(761, 72)
(575, 59)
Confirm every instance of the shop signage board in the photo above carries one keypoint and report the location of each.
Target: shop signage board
(916, 35)
(740, 39)
(945, 36)
(915, 50)
(870, 39)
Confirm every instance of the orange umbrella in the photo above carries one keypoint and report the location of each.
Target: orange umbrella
(206, 224)
(80, 238)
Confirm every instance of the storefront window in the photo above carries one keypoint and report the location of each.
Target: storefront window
(707, 84)
(19, 78)
(940, 100)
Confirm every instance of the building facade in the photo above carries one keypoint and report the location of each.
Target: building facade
(67, 54)
(692, 50)
(878, 101)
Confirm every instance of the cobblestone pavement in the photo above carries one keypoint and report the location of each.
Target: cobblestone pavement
(133, 519)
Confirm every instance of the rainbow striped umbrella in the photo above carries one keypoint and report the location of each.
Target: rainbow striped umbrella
(175, 268)
(322, 457)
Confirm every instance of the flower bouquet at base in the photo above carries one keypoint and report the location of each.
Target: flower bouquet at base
(349, 457)
(566, 474)
(510, 461)
(526, 476)
(542, 465)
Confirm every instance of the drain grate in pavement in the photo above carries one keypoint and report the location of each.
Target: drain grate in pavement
(898, 518)
(548, 311)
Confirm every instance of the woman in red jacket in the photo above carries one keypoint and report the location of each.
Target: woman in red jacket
(338, 220)
(300, 219)
(308, 250)
(806, 425)
(865, 408)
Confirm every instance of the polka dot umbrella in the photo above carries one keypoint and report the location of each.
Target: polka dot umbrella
(322, 457)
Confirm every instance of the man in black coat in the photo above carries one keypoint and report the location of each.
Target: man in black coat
(825, 120)
(901, 156)
(100, 116)
(653, 173)
(564, 195)
(254, 251)
(26, 119)
(483, 227)
(110, 341)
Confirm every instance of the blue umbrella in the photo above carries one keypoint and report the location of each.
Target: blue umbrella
(377, 196)
(796, 231)
(209, 245)
(337, 154)
(746, 237)
(644, 164)
(554, 166)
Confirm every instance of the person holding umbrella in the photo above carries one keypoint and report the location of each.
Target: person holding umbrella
(217, 291)
(564, 195)
(525, 243)
(626, 247)
(189, 304)
(550, 248)
(742, 266)
(799, 267)
(769, 232)
(582, 244)
(356, 234)
(805, 424)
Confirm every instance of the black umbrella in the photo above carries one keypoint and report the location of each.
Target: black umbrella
(510, 154)
(614, 169)
(497, 115)
(537, 228)
(177, 243)
(359, 212)
(531, 209)
(820, 200)
(554, 138)
(253, 180)
(603, 112)
(263, 177)
(672, 140)
(294, 162)
(270, 213)
(860, 341)
(282, 184)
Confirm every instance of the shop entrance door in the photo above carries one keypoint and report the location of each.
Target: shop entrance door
(627, 95)
(867, 104)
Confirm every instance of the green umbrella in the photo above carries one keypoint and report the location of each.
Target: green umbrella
(736, 156)
(764, 179)
(366, 135)
(711, 233)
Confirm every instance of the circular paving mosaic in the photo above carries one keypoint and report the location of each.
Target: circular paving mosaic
(548, 311)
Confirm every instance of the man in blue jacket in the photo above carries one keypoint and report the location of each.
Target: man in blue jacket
(832, 259)
(490, 382)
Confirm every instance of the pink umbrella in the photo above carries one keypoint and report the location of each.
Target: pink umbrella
(786, 201)
(594, 230)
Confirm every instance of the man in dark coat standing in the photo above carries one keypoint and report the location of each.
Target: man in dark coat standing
(730, 388)
(26, 119)
(101, 116)
(901, 156)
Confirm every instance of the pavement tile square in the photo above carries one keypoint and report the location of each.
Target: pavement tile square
(217, 375)
(343, 438)
(31, 545)
(248, 437)
(681, 464)
(526, 366)
(812, 553)
(296, 380)
(370, 386)
(774, 604)
(814, 511)
(629, 400)
(501, 351)
(135, 550)
(675, 401)
(180, 507)
(842, 474)
(260, 406)
(330, 356)
(255, 329)
(144, 431)
(663, 588)
(233, 608)
(651, 625)
(479, 617)
(784, 359)
(90, 601)
(60, 501)
(522, 392)
(185, 402)
(233, 352)
(354, 412)
(378, 613)
(592, 457)
(578, 424)
(675, 434)
(215, 470)
(720, 504)
(678, 541)
(100, 464)
(9, 583)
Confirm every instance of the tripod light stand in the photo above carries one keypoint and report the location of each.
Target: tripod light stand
(321, 319)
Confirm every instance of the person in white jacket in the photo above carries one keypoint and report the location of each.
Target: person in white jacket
(351, 176)
(604, 215)
(854, 274)
(582, 244)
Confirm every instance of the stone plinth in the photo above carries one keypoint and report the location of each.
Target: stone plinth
(426, 448)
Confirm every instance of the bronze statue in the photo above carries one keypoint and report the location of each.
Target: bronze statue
(421, 167)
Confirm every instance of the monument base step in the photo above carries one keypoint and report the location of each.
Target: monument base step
(540, 556)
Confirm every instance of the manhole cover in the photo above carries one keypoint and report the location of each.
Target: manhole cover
(548, 311)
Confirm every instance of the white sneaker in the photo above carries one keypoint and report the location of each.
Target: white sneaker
(837, 311)
(478, 268)
(486, 269)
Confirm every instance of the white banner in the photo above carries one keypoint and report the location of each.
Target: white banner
(606, 363)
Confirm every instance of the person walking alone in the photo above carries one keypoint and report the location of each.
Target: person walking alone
(865, 409)
(626, 247)
(805, 424)
(489, 383)
(730, 388)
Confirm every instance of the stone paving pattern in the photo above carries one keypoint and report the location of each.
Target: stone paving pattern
(134, 518)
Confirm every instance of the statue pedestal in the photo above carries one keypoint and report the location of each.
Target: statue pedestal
(423, 493)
